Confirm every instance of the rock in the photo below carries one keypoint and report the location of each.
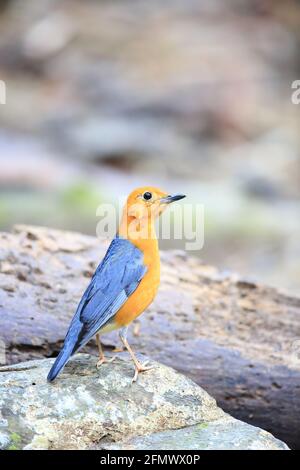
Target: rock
(236, 435)
(88, 408)
(235, 338)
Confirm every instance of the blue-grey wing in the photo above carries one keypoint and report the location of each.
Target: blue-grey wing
(115, 279)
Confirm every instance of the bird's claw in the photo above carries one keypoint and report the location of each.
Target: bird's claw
(104, 360)
(141, 368)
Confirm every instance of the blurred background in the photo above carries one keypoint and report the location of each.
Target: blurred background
(193, 96)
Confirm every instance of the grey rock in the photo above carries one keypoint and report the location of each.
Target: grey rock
(225, 433)
(88, 408)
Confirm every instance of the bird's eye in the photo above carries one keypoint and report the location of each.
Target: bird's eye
(147, 196)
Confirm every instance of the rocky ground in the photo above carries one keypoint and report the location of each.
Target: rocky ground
(238, 340)
(88, 408)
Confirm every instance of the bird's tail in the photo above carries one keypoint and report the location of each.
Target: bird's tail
(59, 363)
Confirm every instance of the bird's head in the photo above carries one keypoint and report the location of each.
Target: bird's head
(143, 206)
(148, 202)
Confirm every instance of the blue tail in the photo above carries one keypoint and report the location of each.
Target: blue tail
(59, 364)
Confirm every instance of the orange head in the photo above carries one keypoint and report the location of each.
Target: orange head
(143, 206)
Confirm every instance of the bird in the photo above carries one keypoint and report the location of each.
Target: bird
(125, 282)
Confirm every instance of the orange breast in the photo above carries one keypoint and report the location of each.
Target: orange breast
(142, 297)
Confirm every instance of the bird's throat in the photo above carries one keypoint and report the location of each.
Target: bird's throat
(140, 232)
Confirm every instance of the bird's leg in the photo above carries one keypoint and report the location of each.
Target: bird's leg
(138, 366)
(102, 358)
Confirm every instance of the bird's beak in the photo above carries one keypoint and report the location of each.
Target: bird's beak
(170, 199)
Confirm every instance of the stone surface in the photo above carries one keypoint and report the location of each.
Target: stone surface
(236, 339)
(88, 408)
(225, 433)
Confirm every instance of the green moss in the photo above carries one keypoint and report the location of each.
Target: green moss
(202, 426)
(15, 440)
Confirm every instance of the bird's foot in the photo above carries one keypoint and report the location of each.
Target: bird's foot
(118, 350)
(140, 368)
(104, 360)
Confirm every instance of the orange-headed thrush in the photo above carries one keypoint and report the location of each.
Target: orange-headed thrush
(125, 282)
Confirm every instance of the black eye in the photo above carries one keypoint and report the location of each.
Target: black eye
(147, 196)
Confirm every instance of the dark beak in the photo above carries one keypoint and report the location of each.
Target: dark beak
(170, 199)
